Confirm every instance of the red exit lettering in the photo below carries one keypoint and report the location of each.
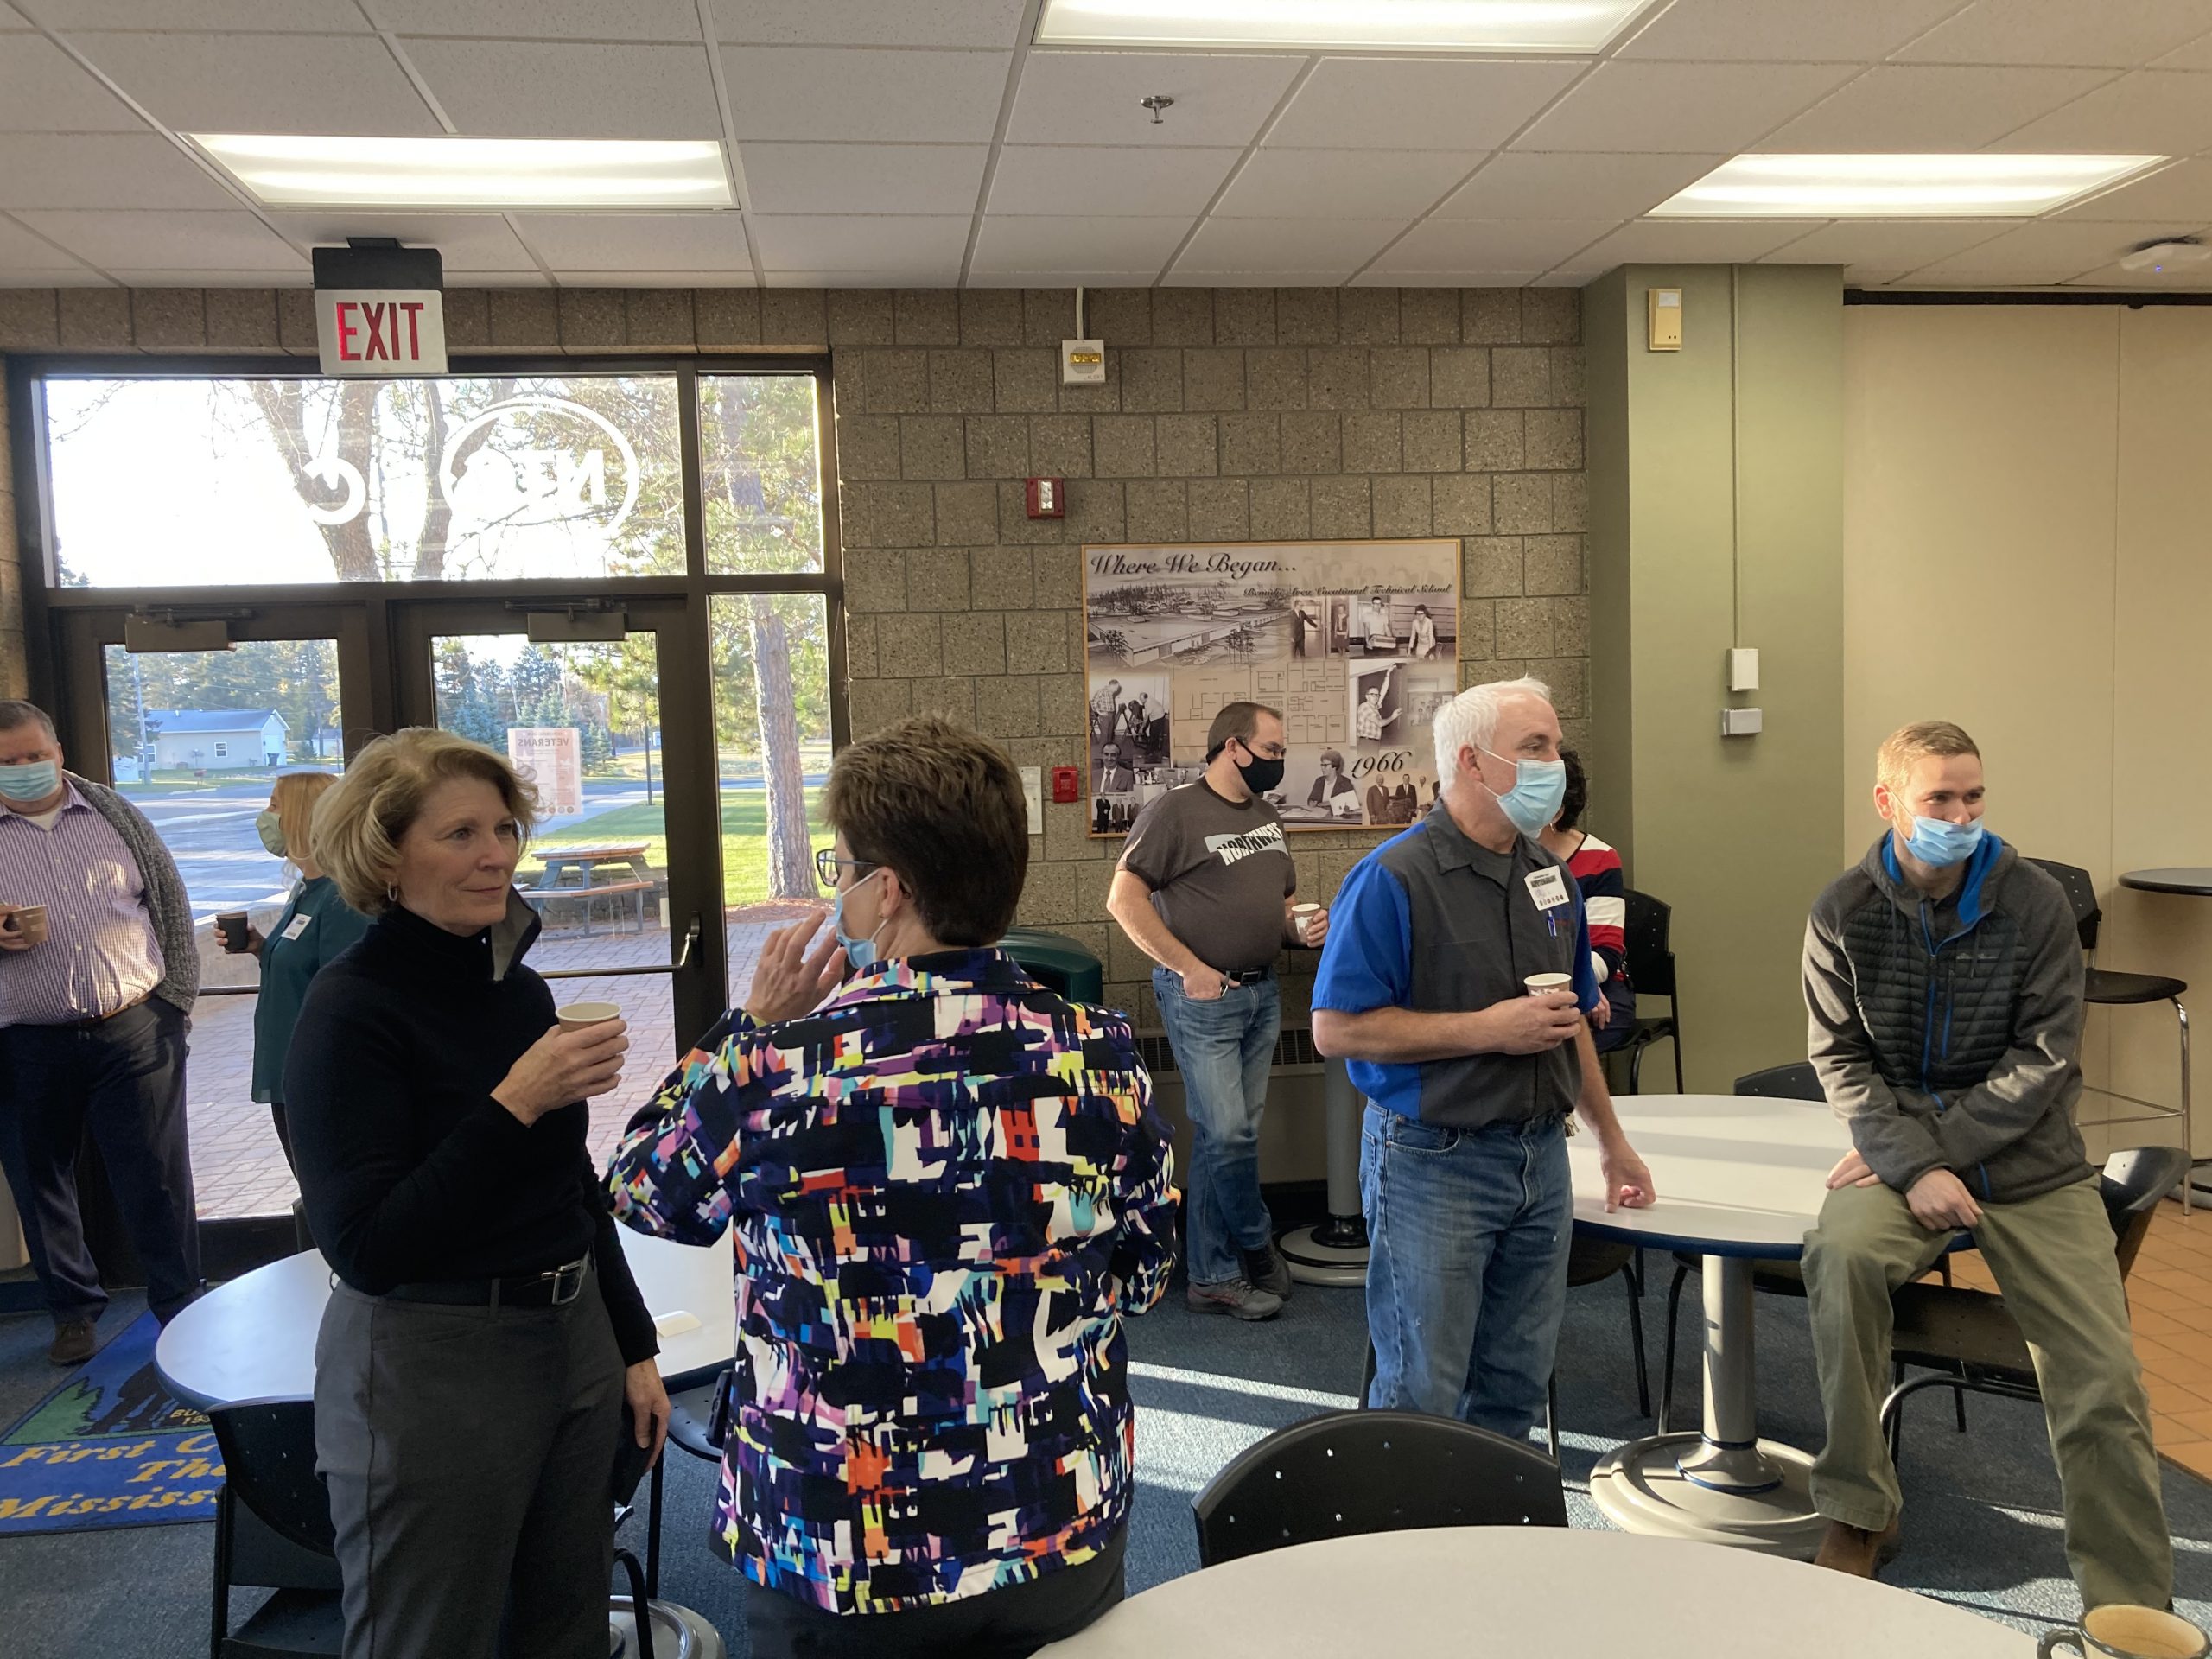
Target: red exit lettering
(346, 333)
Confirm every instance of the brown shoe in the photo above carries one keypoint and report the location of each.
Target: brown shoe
(1846, 1549)
(73, 1343)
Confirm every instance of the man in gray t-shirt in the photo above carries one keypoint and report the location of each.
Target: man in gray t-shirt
(1204, 888)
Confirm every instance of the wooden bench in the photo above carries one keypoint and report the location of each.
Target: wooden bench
(541, 900)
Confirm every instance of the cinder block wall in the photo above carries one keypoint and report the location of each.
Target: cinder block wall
(1228, 414)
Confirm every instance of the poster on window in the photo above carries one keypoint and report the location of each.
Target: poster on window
(1356, 642)
(552, 757)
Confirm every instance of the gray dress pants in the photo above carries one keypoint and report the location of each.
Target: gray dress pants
(470, 1453)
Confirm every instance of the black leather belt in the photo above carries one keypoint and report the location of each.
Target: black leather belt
(1250, 977)
(554, 1289)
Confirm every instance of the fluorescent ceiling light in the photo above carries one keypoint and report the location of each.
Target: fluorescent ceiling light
(1896, 187)
(286, 171)
(1427, 25)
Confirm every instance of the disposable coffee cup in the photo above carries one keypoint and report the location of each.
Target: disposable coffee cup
(230, 927)
(576, 1015)
(29, 924)
(1301, 918)
(2117, 1630)
(1545, 984)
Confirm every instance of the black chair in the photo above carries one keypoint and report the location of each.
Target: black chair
(698, 1423)
(1966, 1339)
(1592, 1261)
(1347, 1473)
(2122, 990)
(272, 1530)
(1650, 960)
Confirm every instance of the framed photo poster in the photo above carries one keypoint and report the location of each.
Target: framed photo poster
(1356, 642)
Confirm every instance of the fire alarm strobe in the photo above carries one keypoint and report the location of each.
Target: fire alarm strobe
(1083, 362)
(1048, 497)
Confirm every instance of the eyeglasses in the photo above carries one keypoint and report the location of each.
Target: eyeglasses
(827, 864)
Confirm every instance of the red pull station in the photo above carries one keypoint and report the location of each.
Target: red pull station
(1064, 784)
(1048, 498)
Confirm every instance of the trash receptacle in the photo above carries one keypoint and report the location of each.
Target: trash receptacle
(1058, 962)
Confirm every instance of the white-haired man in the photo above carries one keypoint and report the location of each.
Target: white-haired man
(1463, 1168)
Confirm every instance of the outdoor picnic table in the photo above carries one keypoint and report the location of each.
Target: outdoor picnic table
(580, 867)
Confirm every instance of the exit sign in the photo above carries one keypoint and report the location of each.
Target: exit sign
(380, 333)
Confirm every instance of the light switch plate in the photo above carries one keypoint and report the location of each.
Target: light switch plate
(1744, 668)
(1742, 722)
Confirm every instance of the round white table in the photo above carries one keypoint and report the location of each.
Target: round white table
(253, 1338)
(1531, 1591)
(1740, 1179)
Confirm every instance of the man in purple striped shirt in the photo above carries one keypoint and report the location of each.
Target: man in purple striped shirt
(98, 974)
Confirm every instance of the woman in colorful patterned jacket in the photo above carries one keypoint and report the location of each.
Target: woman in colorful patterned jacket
(947, 1187)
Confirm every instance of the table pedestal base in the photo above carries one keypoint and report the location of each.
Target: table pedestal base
(1677, 1486)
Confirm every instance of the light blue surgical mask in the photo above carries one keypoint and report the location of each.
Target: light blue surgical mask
(270, 829)
(859, 952)
(1539, 787)
(1939, 844)
(34, 780)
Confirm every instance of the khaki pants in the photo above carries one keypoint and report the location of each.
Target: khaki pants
(2054, 1263)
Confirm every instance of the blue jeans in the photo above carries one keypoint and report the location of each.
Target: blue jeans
(1466, 1270)
(1223, 1049)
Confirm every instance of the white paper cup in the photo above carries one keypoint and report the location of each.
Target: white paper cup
(1301, 918)
(576, 1015)
(1545, 984)
(29, 923)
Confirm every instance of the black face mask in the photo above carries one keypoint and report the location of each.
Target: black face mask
(1262, 775)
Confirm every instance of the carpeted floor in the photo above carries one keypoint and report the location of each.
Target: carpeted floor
(1982, 1525)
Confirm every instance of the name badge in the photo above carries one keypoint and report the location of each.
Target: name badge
(1547, 888)
(299, 927)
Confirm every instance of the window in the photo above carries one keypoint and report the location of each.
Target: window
(222, 750)
(761, 466)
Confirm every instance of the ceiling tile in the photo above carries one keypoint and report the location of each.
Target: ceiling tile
(545, 20)
(524, 89)
(1059, 279)
(1379, 278)
(1439, 245)
(1053, 179)
(22, 251)
(811, 93)
(1680, 107)
(1078, 243)
(1405, 104)
(736, 276)
(869, 23)
(10, 18)
(1091, 98)
(637, 241)
(264, 83)
(1683, 241)
(1518, 185)
(2047, 250)
(863, 178)
(1894, 108)
(2181, 192)
(938, 274)
(811, 242)
(1786, 31)
(35, 277)
(157, 241)
(2061, 31)
(1329, 249)
(103, 170)
(1269, 277)
(43, 90)
(1888, 244)
(466, 242)
(1333, 184)
(2196, 280)
(2198, 54)
(180, 16)
(2150, 112)
(498, 279)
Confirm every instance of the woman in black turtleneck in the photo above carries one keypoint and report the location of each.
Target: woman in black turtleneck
(485, 1339)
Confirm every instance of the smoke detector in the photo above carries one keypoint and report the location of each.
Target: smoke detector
(2168, 256)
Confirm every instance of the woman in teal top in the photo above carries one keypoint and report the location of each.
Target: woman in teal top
(315, 927)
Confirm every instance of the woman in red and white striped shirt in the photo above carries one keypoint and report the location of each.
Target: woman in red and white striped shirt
(1596, 869)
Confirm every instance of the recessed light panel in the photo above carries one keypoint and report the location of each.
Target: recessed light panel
(1561, 26)
(291, 172)
(1896, 187)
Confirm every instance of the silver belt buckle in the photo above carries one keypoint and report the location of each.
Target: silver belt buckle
(568, 1281)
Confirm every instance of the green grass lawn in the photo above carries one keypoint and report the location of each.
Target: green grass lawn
(745, 838)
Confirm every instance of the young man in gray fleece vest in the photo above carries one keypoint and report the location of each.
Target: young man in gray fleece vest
(1944, 980)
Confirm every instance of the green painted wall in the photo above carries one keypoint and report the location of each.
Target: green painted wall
(1734, 833)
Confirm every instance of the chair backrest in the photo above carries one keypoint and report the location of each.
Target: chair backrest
(1350, 1472)
(2135, 1181)
(2082, 893)
(1650, 957)
(1797, 1082)
(269, 1464)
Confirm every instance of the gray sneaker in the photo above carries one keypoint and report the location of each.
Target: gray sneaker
(1268, 1271)
(1234, 1297)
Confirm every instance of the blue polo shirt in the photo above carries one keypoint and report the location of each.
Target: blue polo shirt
(1431, 921)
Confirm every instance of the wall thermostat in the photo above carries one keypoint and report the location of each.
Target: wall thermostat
(1665, 309)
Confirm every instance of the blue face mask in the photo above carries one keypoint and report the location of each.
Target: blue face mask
(1939, 844)
(859, 952)
(1539, 788)
(32, 781)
